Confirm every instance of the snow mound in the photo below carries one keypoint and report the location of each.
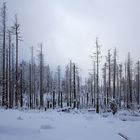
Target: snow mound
(65, 109)
(105, 115)
(46, 127)
(90, 118)
(19, 118)
(128, 116)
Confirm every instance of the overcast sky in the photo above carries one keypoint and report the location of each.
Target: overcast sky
(68, 28)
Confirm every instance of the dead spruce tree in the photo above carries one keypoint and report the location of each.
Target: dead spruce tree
(105, 84)
(138, 82)
(74, 86)
(129, 77)
(120, 84)
(114, 73)
(41, 76)
(3, 30)
(16, 32)
(10, 70)
(109, 77)
(97, 54)
(59, 85)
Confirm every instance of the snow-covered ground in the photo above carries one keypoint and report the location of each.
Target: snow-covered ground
(75, 125)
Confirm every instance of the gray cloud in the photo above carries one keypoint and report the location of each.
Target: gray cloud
(68, 29)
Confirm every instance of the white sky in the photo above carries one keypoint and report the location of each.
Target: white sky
(68, 28)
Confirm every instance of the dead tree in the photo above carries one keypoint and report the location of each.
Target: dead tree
(67, 88)
(61, 99)
(94, 79)
(59, 85)
(129, 105)
(41, 77)
(114, 74)
(53, 103)
(30, 89)
(6, 79)
(9, 74)
(12, 76)
(120, 84)
(74, 86)
(70, 83)
(109, 76)
(3, 24)
(138, 82)
(31, 69)
(21, 85)
(16, 32)
(34, 82)
(105, 84)
(97, 79)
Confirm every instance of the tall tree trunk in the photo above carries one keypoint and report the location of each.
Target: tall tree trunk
(94, 71)
(97, 82)
(6, 79)
(10, 84)
(105, 85)
(59, 86)
(3, 11)
(109, 77)
(129, 81)
(13, 79)
(30, 87)
(70, 87)
(114, 75)
(54, 99)
(61, 99)
(74, 86)
(21, 86)
(120, 89)
(138, 81)
(41, 77)
(16, 29)
(34, 83)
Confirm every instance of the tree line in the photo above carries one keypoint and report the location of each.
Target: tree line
(34, 85)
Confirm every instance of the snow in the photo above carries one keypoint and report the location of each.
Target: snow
(72, 125)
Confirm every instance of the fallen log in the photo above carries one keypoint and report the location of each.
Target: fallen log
(123, 136)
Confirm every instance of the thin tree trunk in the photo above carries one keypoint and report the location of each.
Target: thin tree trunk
(138, 80)
(74, 86)
(4, 102)
(10, 91)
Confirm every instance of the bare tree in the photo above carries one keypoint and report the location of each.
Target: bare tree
(12, 76)
(21, 85)
(9, 74)
(109, 76)
(74, 85)
(70, 83)
(105, 84)
(6, 79)
(120, 85)
(97, 79)
(114, 74)
(94, 79)
(59, 84)
(41, 77)
(129, 75)
(3, 26)
(16, 32)
(138, 81)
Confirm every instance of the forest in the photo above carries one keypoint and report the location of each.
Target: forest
(44, 95)
(32, 84)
